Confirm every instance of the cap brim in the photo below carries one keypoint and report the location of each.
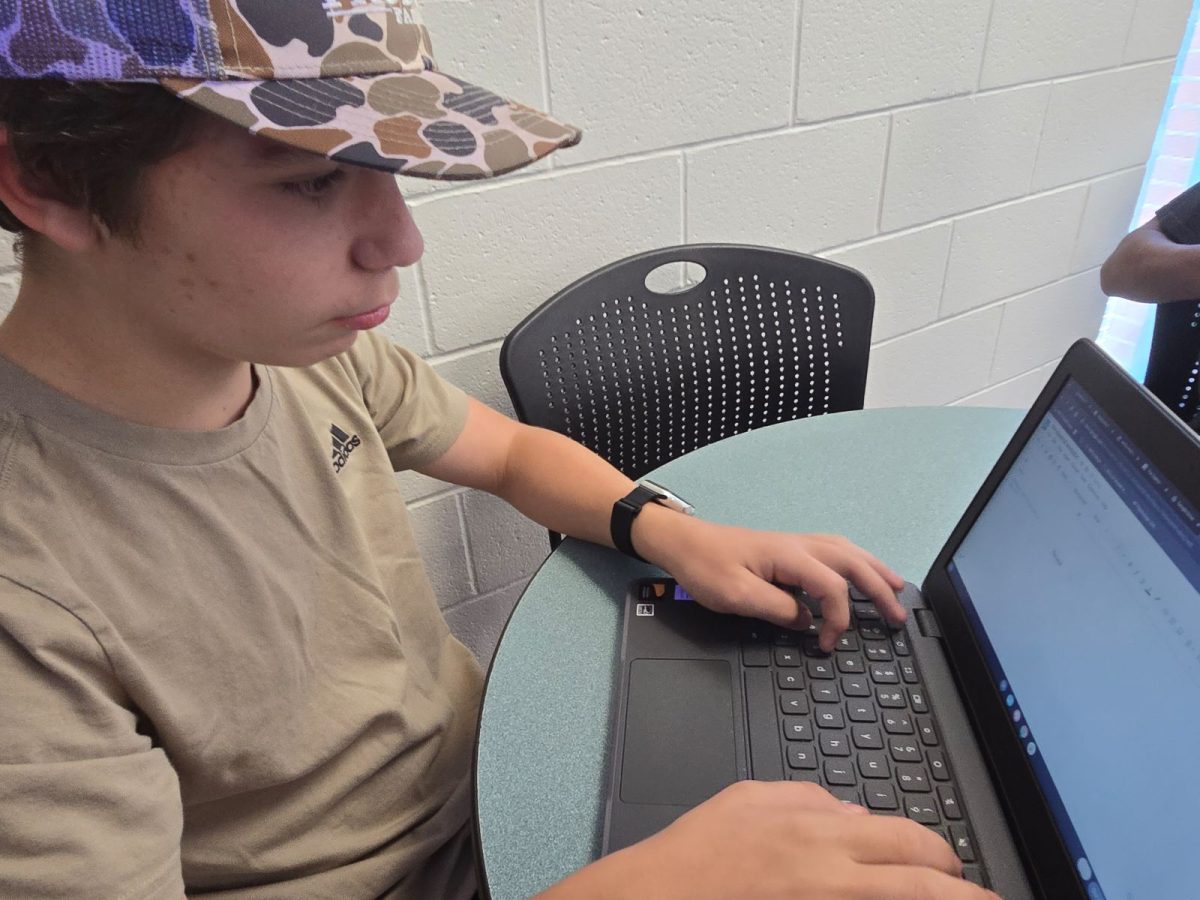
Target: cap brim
(427, 124)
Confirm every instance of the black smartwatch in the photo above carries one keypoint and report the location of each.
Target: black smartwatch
(628, 507)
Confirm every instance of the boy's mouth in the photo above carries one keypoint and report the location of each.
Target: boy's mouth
(366, 320)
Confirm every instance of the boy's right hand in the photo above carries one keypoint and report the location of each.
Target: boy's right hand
(779, 841)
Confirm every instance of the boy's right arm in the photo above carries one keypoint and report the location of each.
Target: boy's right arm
(778, 841)
(88, 806)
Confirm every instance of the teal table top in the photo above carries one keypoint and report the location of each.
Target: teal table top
(894, 481)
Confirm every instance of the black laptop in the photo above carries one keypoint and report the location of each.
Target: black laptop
(1041, 708)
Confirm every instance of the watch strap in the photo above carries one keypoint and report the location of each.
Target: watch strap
(624, 511)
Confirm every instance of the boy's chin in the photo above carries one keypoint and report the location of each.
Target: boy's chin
(298, 358)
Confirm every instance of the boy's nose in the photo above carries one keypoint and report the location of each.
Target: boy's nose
(388, 237)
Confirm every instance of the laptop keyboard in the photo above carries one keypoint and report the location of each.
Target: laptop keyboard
(855, 721)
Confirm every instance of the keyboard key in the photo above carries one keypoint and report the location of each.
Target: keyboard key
(908, 671)
(904, 751)
(785, 637)
(928, 733)
(787, 657)
(755, 649)
(762, 723)
(802, 756)
(793, 703)
(856, 593)
(797, 728)
(913, 779)
(812, 776)
(884, 673)
(860, 711)
(838, 772)
(849, 664)
(921, 809)
(834, 743)
(960, 839)
(873, 764)
(847, 642)
(937, 765)
(821, 669)
(900, 644)
(918, 701)
(866, 612)
(880, 796)
(873, 631)
(829, 717)
(949, 800)
(789, 679)
(845, 794)
(856, 686)
(877, 651)
(890, 699)
(812, 646)
(973, 875)
(897, 723)
(826, 692)
(867, 737)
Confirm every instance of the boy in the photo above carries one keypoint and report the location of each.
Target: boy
(225, 671)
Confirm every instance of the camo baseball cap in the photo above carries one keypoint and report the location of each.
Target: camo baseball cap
(353, 80)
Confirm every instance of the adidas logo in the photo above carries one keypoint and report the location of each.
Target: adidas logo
(343, 446)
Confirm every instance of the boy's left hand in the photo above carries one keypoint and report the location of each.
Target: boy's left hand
(736, 570)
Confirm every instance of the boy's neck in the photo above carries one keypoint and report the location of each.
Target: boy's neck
(108, 363)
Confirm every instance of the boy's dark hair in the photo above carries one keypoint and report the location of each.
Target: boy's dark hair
(87, 143)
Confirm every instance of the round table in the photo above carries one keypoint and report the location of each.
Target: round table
(894, 481)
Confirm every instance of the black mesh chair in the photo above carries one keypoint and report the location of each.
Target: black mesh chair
(641, 377)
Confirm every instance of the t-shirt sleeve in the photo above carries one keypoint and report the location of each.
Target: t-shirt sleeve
(88, 806)
(1180, 219)
(416, 412)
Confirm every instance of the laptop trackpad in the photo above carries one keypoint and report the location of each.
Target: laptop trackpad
(679, 734)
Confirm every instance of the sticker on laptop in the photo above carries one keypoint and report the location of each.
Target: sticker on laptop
(645, 609)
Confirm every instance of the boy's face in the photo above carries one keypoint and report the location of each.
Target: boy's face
(250, 251)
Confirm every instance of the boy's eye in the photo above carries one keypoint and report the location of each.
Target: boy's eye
(314, 188)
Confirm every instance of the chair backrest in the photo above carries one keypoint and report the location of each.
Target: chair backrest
(641, 377)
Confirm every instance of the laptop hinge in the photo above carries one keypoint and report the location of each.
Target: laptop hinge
(926, 623)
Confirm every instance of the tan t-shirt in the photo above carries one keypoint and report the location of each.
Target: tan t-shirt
(222, 665)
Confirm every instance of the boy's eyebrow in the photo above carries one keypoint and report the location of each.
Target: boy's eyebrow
(273, 154)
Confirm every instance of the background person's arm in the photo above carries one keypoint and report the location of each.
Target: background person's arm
(564, 486)
(1148, 266)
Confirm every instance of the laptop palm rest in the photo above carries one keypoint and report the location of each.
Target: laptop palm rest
(679, 731)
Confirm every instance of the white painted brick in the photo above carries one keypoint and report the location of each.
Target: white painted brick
(1158, 29)
(505, 546)
(1030, 40)
(906, 272)
(415, 486)
(862, 55)
(1011, 248)
(1100, 123)
(1018, 393)
(1106, 218)
(7, 256)
(786, 190)
(1039, 326)
(437, 526)
(491, 44)
(478, 374)
(478, 622)
(405, 326)
(963, 154)
(935, 365)
(668, 73)
(494, 255)
(10, 283)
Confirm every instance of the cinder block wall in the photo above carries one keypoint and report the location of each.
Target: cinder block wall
(977, 159)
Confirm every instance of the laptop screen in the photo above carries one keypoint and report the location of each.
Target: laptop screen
(1081, 582)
